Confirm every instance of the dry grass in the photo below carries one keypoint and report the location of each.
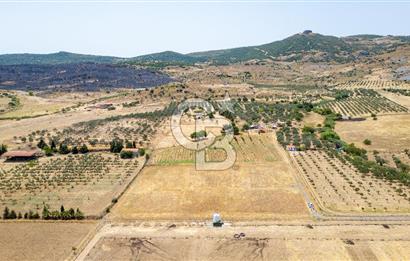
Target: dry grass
(41, 240)
(4, 102)
(12, 128)
(313, 119)
(32, 105)
(387, 133)
(262, 188)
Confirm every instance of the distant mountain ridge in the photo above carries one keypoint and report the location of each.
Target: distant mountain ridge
(308, 46)
(55, 58)
(297, 43)
(301, 46)
(167, 56)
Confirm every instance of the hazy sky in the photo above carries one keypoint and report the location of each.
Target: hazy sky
(130, 29)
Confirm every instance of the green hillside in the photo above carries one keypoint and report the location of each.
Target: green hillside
(296, 45)
(167, 56)
(306, 45)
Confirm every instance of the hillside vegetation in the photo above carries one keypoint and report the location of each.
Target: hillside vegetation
(167, 56)
(306, 46)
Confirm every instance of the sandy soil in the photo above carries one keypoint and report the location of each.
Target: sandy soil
(41, 240)
(273, 242)
(387, 133)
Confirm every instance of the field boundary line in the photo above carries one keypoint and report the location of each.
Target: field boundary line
(104, 220)
(125, 188)
(85, 241)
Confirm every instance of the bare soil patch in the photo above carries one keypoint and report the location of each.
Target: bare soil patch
(41, 240)
(284, 242)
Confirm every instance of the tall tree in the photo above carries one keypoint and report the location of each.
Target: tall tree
(83, 149)
(63, 149)
(41, 144)
(3, 149)
(6, 213)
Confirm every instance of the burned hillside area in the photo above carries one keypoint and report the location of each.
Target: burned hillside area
(78, 77)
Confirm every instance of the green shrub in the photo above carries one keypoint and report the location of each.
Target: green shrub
(367, 142)
(126, 154)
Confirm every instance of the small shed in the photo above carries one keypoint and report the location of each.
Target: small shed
(22, 155)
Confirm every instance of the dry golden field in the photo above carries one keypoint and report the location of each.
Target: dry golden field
(387, 133)
(33, 105)
(4, 101)
(42, 240)
(260, 186)
(313, 119)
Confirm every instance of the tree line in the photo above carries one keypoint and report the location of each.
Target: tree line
(47, 214)
(49, 150)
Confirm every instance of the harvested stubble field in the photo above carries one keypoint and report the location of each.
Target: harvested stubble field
(387, 133)
(88, 182)
(41, 240)
(281, 242)
(341, 188)
(259, 189)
